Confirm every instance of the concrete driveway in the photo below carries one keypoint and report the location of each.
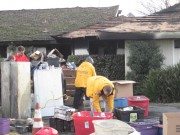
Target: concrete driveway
(156, 109)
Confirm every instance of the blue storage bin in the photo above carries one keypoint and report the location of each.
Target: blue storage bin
(120, 102)
(160, 129)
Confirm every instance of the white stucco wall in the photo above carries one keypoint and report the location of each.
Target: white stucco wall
(166, 48)
(81, 51)
(120, 51)
(127, 69)
(81, 48)
(41, 49)
(176, 55)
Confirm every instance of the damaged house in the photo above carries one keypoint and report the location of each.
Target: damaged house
(35, 29)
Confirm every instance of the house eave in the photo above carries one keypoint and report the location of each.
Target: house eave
(88, 37)
(107, 35)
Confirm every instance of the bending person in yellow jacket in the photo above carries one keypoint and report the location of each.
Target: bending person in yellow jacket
(99, 86)
(84, 71)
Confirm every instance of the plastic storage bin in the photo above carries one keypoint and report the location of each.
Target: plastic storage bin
(64, 112)
(111, 127)
(160, 129)
(147, 127)
(4, 126)
(120, 102)
(127, 115)
(140, 101)
(83, 121)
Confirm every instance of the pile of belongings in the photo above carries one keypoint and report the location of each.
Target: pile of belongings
(36, 58)
(55, 58)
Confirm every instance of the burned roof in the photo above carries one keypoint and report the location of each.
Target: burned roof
(163, 24)
(160, 25)
(41, 24)
(91, 30)
(171, 9)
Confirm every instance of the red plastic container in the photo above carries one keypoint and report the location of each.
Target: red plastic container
(83, 121)
(47, 131)
(139, 101)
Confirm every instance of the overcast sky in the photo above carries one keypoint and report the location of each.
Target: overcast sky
(126, 6)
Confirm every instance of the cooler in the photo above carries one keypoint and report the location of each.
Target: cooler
(83, 121)
(140, 101)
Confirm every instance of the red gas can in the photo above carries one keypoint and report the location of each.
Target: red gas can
(47, 131)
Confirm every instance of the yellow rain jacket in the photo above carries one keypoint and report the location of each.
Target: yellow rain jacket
(94, 88)
(84, 71)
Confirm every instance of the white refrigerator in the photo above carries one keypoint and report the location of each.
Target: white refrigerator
(48, 90)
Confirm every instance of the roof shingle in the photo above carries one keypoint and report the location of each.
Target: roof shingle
(41, 24)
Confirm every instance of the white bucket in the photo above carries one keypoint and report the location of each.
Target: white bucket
(111, 127)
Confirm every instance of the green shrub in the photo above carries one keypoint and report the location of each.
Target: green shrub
(163, 85)
(77, 59)
(144, 56)
(111, 66)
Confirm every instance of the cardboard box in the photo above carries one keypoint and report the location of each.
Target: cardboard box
(171, 123)
(36, 55)
(124, 88)
(56, 53)
(55, 58)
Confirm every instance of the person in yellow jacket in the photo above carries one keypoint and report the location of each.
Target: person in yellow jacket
(97, 87)
(84, 71)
